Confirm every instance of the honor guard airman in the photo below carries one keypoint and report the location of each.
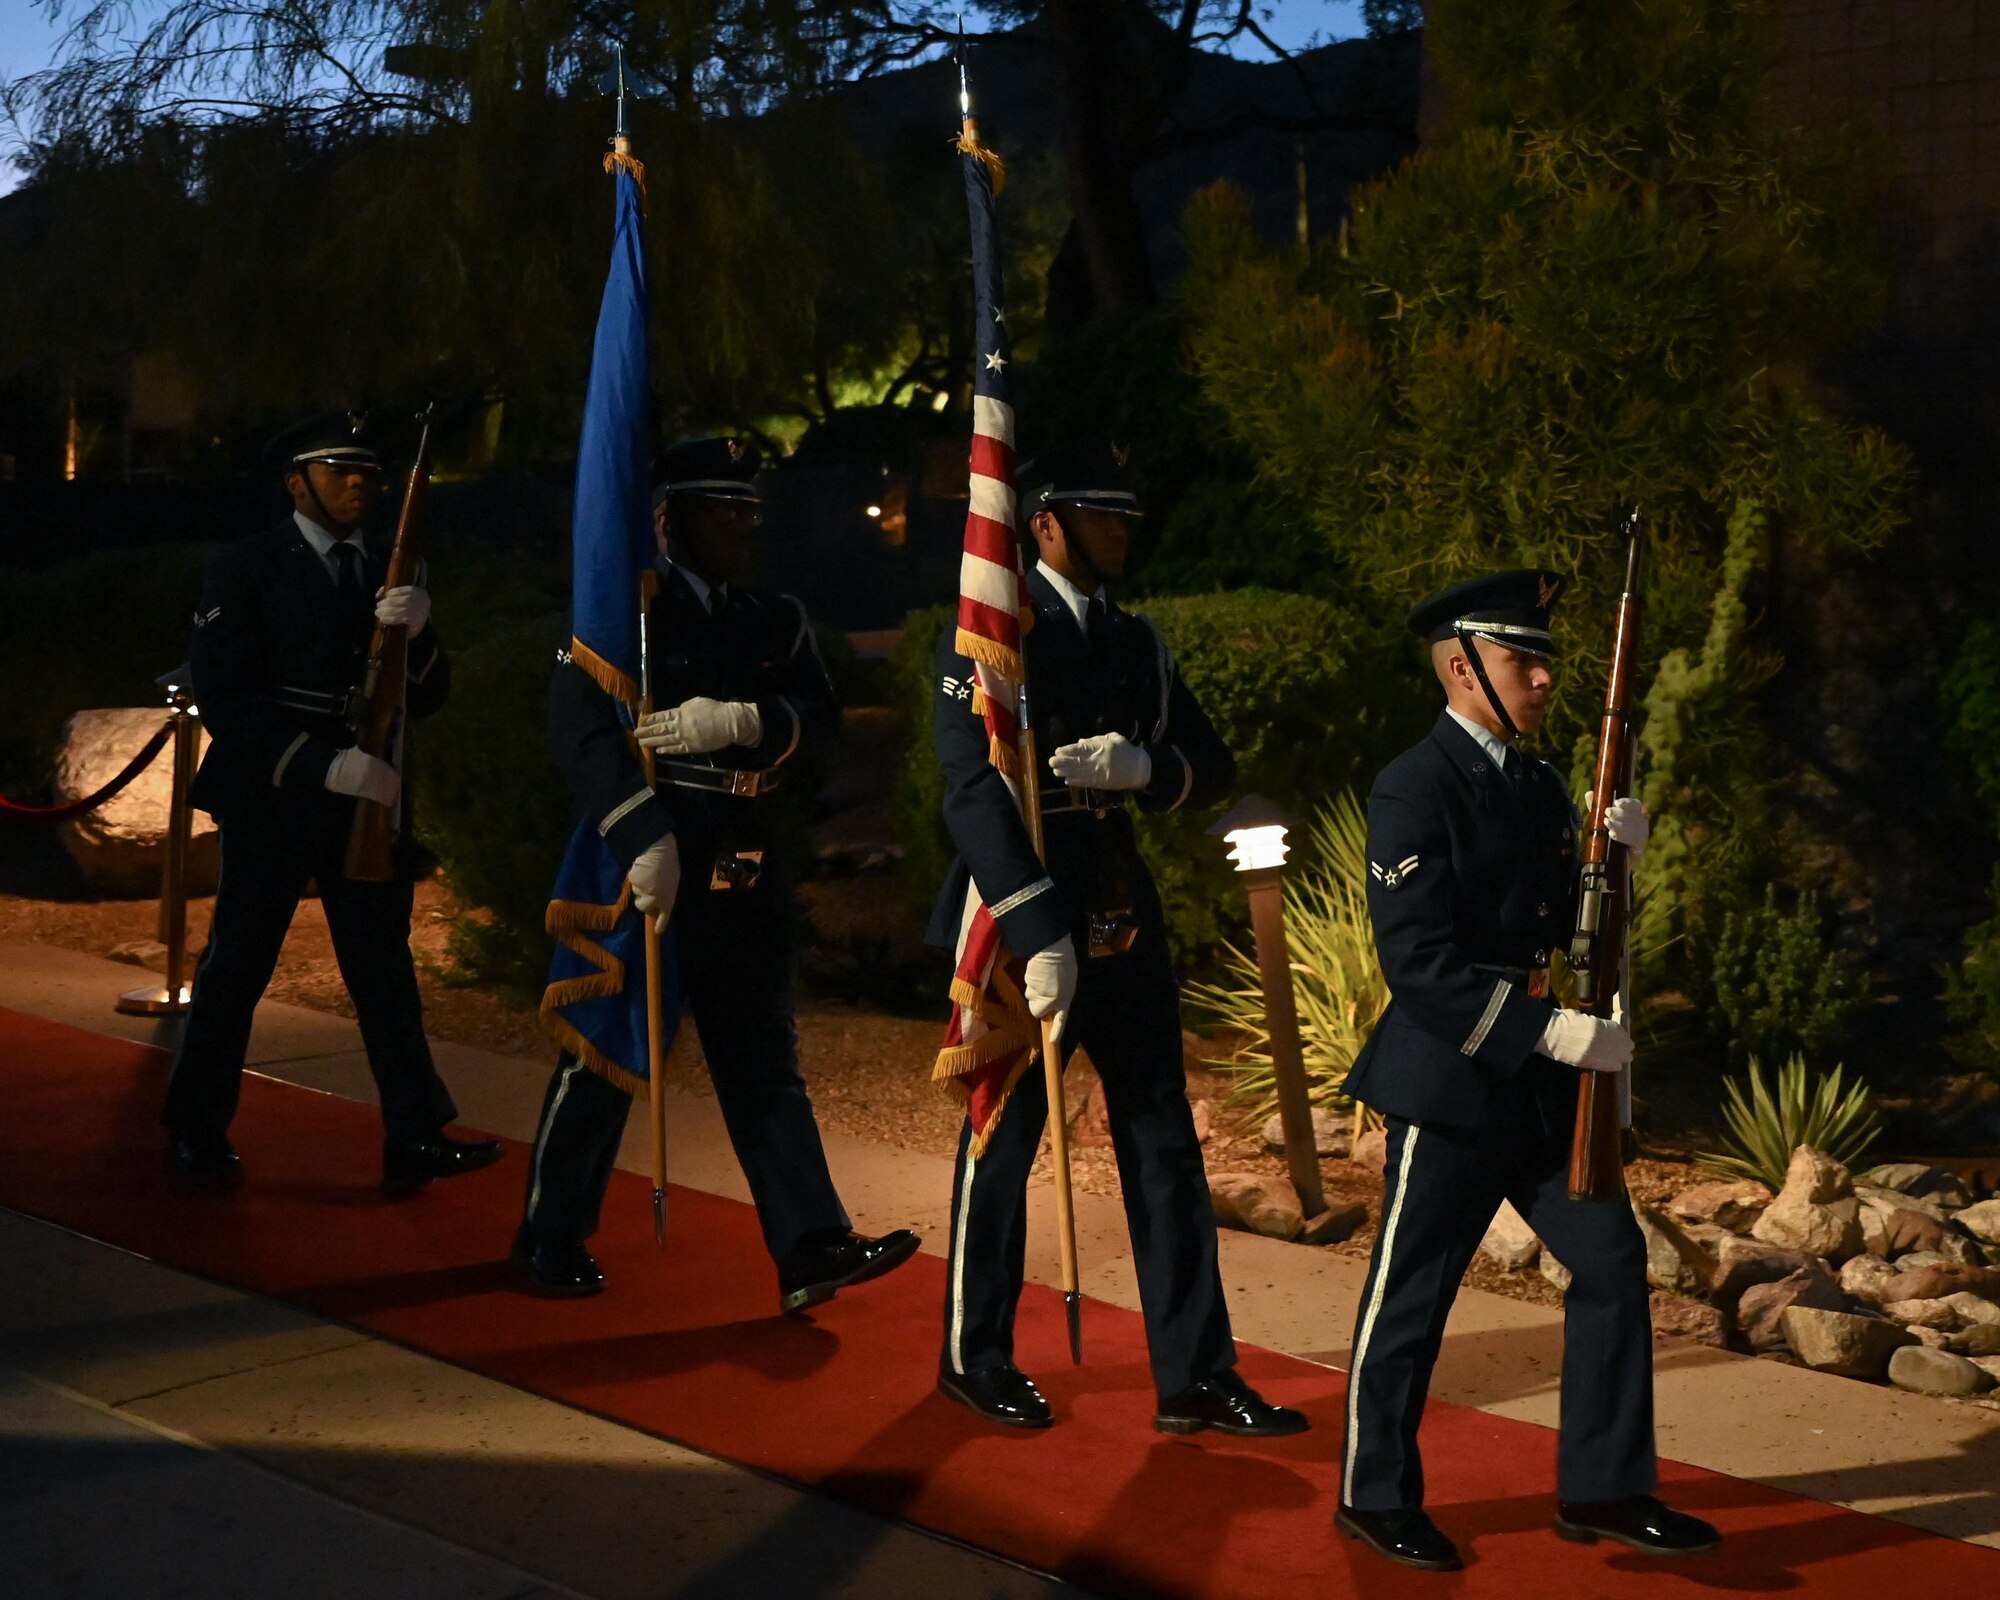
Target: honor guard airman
(1472, 880)
(745, 696)
(280, 643)
(1117, 727)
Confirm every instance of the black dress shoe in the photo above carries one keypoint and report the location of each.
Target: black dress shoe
(1406, 1536)
(406, 1168)
(556, 1269)
(1639, 1521)
(205, 1158)
(1229, 1405)
(819, 1268)
(1003, 1394)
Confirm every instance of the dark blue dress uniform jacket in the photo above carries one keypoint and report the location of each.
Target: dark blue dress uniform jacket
(1123, 682)
(1472, 880)
(760, 649)
(273, 659)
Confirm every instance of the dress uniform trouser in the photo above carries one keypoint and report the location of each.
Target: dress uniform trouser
(1442, 1188)
(734, 950)
(1127, 1017)
(264, 872)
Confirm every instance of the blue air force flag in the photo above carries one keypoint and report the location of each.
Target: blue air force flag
(595, 1002)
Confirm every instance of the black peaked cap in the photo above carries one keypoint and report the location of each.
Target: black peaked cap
(1089, 472)
(715, 469)
(1510, 608)
(339, 438)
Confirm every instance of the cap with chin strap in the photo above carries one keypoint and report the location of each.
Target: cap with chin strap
(334, 439)
(1504, 608)
(1092, 472)
(714, 469)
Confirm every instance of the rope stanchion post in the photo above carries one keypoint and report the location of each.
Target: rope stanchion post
(171, 998)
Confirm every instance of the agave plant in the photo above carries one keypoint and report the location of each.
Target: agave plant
(1765, 1126)
(1335, 974)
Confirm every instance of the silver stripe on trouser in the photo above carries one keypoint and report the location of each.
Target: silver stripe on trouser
(1367, 1329)
(959, 1225)
(542, 1136)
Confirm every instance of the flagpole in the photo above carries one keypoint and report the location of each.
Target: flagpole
(622, 159)
(1030, 796)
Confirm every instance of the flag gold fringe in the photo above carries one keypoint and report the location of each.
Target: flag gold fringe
(621, 159)
(997, 657)
(571, 921)
(967, 144)
(619, 685)
(1009, 1029)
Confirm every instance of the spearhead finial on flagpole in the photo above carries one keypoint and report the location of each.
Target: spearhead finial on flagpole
(621, 158)
(967, 142)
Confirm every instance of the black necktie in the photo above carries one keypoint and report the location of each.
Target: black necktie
(347, 561)
(1093, 625)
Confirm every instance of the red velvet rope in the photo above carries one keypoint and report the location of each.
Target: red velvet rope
(47, 816)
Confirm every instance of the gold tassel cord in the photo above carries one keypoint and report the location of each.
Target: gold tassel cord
(967, 144)
(621, 159)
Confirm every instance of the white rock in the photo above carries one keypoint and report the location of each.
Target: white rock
(1730, 1205)
(1510, 1243)
(1863, 1277)
(1982, 1221)
(1760, 1313)
(1257, 1202)
(1835, 1341)
(1901, 1175)
(1936, 1372)
(1816, 1211)
(1939, 1314)
(1990, 1365)
(1332, 1132)
(1555, 1272)
(121, 844)
(1974, 1307)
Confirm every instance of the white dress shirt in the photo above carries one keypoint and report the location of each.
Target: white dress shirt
(1073, 597)
(323, 543)
(701, 586)
(1498, 748)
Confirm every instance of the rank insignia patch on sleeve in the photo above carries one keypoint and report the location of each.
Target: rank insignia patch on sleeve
(1392, 877)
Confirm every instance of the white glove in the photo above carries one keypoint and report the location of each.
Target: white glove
(1577, 1039)
(700, 727)
(365, 777)
(1627, 823)
(404, 608)
(656, 878)
(1050, 984)
(1105, 761)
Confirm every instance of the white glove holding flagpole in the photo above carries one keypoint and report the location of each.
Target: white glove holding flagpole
(1050, 984)
(656, 878)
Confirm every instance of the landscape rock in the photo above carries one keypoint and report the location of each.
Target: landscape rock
(1760, 1312)
(1936, 1372)
(1905, 1230)
(1935, 1280)
(1371, 1150)
(1982, 1221)
(1816, 1211)
(1734, 1206)
(1907, 1177)
(1674, 1262)
(1204, 1122)
(1741, 1262)
(1256, 1202)
(1990, 1365)
(1874, 1194)
(1980, 1339)
(1913, 1260)
(1677, 1317)
(1835, 1341)
(1874, 1230)
(1555, 1272)
(139, 953)
(1510, 1243)
(1334, 1225)
(1974, 1308)
(1332, 1133)
(1929, 1338)
(120, 845)
(1939, 1314)
(1863, 1277)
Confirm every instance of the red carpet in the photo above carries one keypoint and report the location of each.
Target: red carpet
(687, 1347)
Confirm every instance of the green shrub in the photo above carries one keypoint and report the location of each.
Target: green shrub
(1300, 689)
(1777, 985)
(490, 802)
(1765, 1126)
(90, 632)
(1336, 974)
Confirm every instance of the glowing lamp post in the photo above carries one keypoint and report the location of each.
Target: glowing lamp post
(1256, 829)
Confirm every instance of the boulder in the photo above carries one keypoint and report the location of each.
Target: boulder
(120, 846)
(1835, 1341)
(1980, 1339)
(1257, 1202)
(1555, 1272)
(1906, 1231)
(1982, 1221)
(1674, 1262)
(1863, 1277)
(1913, 1260)
(1939, 1314)
(1816, 1211)
(1741, 1262)
(1936, 1372)
(1975, 1308)
(1874, 1231)
(1332, 1133)
(1510, 1243)
(1990, 1365)
(1934, 1280)
(1888, 1200)
(1371, 1150)
(1907, 1177)
(1335, 1224)
(1929, 1338)
(1760, 1313)
(1677, 1317)
(1734, 1206)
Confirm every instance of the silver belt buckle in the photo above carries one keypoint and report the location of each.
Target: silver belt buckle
(743, 783)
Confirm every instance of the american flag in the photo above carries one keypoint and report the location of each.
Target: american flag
(991, 1039)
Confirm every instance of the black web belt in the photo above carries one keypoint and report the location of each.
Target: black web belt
(1062, 798)
(314, 702)
(741, 782)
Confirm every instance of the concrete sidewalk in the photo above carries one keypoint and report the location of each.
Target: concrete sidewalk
(1931, 1463)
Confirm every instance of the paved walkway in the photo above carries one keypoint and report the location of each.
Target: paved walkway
(221, 1418)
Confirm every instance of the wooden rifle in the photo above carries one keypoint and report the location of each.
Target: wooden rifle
(1597, 955)
(377, 706)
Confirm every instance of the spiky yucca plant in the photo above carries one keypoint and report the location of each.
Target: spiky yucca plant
(1766, 1126)
(1335, 974)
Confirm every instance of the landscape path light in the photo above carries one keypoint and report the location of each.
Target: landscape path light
(170, 999)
